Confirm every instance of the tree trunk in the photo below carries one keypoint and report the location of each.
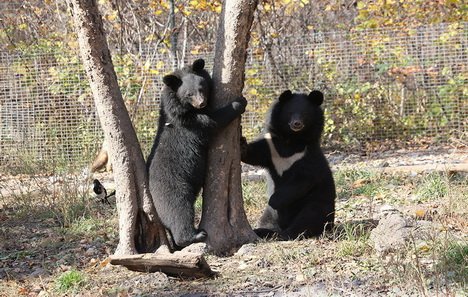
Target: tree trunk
(139, 227)
(223, 215)
(173, 35)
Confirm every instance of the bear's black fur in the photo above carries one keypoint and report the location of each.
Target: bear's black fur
(176, 164)
(300, 183)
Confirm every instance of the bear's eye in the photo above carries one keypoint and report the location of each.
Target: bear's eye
(189, 94)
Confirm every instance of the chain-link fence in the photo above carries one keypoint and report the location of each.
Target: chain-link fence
(399, 85)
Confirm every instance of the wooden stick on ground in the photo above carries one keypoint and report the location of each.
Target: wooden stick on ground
(181, 264)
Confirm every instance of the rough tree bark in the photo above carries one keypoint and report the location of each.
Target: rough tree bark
(223, 215)
(139, 227)
(173, 35)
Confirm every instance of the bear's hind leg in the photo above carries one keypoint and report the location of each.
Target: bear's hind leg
(265, 233)
(183, 238)
(308, 223)
(183, 230)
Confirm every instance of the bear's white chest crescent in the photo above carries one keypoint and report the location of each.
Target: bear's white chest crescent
(281, 164)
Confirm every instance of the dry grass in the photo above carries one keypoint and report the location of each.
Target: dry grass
(55, 240)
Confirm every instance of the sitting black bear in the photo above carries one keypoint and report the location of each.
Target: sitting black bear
(300, 183)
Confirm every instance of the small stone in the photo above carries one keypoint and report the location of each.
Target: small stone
(390, 234)
(384, 164)
(394, 230)
(164, 249)
(246, 250)
(38, 271)
(90, 252)
(300, 277)
(357, 283)
(197, 248)
(242, 265)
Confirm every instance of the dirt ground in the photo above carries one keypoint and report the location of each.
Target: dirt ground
(38, 248)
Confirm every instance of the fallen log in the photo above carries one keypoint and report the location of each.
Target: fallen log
(179, 264)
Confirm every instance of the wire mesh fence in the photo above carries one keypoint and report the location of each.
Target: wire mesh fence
(379, 85)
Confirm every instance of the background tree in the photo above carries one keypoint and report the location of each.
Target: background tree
(223, 215)
(139, 226)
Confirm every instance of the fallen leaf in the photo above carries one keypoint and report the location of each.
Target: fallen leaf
(23, 291)
(420, 213)
(359, 183)
(104, 262)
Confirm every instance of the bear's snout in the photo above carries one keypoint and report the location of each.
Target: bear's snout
(296, 125)
(198, 102)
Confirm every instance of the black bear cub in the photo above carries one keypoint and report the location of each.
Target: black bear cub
(176, 164)
(300, 183)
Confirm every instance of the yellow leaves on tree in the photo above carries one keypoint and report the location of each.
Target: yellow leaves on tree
(289, 6)
(405, 13)
(201, 5)
(159, 7)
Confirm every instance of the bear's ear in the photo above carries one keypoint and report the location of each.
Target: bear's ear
(316, 97)
(285, 96)
(172, 81)
(198, 65)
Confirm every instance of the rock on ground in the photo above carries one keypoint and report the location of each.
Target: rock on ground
(394, 231)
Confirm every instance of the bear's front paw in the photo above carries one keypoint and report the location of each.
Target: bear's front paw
(273, 202)
(200, 236)
(243, 145)
(239, 104)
